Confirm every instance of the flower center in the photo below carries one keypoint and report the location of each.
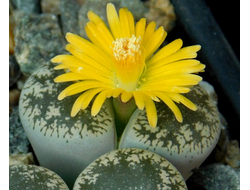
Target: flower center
(129, 61)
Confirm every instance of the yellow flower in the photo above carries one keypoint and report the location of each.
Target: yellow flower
(120, 61)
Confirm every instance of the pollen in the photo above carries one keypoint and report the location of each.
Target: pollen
(125, 49)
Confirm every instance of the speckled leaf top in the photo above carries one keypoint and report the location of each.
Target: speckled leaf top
(196, 133)
(32, 177)
(64, 144)
(40, 108)
(130, 169)
(185, 144)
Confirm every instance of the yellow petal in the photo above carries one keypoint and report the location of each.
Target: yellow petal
(151, 111)
(89, 74)
(131, 23)
(165, 51)
(60, 58)
(149, 32)
(99, 36)
(94, 17)
(156, 40)
(98, 103)
(93, 39)
(80, 87)
(88, 85)
(109, 93)
(179, 98)
(124, 23)
(77, 105)
(170, 104)
(139, 101)
(174, 89)
(189, 70)
(60, 66)
(89, 49)
(117, 92)
(69, 60)
(89, 96)
(151, 95)
(140, 28)
(69, 77)
(184, 53)
(88, 60)
(113, 20)
(183, 66)
(126, 96)
(175, 80)
(106, 34)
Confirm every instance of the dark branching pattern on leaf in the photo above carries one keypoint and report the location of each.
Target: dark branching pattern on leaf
(42, 109)
(197, 132)
(131, 169)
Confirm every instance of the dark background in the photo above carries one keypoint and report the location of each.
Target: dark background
(227, 15)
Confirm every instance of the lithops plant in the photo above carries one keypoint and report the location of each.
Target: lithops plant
(130, 169)
(34, 177)
(67, 144)
(186, 145)
(62, 143)
(119, 63)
